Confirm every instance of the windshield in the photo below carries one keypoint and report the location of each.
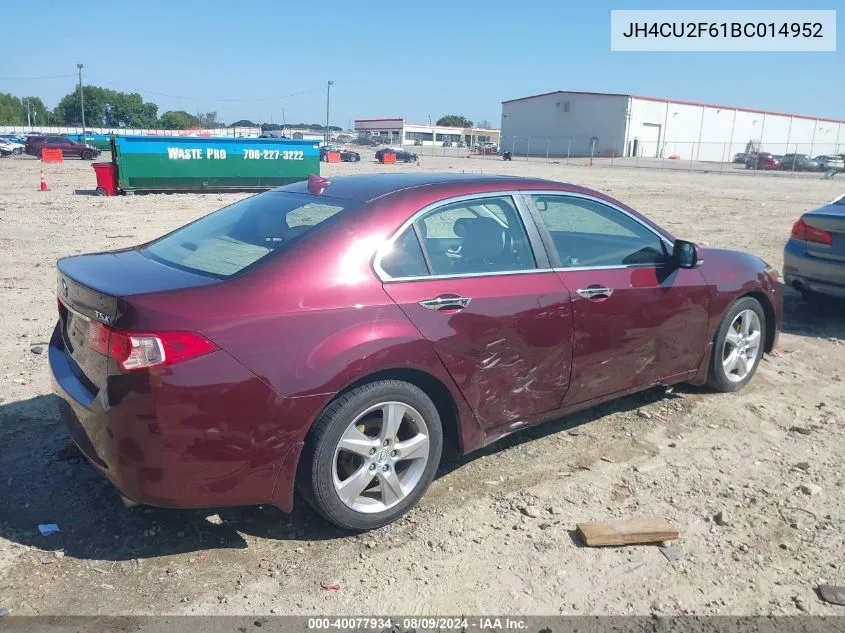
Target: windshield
(228, 241)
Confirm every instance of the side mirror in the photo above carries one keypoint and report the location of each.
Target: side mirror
(685, 254)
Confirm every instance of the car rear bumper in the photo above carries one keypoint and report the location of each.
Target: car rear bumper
(203, 433)
(805, 272)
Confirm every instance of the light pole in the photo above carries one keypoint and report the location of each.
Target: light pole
(81, 98)
(328, 95)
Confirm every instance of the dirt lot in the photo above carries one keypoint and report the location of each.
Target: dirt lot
(494, 533)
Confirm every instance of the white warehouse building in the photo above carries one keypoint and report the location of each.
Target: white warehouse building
(566, 123)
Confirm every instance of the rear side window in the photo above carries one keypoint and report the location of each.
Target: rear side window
(405, 258)
(236, 237)
(483, 235)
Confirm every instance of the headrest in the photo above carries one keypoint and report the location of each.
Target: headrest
(484, 238)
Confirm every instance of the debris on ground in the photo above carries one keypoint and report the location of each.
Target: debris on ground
(36, 349)
(722, 518)
(627, 532)
(801, 430)
(69, 453)
(671, 552)
(47, 529)
(832, 594)
(331, 586)
(214, 519)
(811, 489)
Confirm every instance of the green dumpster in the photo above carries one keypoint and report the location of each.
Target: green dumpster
(170, 163)
(101, 141)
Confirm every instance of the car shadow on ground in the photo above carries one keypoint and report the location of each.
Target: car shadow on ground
(453, 460)
(821, 317)
(44, 480)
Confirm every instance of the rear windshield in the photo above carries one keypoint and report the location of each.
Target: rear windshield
(228, 241)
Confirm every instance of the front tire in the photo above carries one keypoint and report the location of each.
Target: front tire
(17, 151)
(86, 154)
(738, 346)
(371, 455)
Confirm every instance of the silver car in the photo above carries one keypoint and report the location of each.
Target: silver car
(835, 163)
(814, 256)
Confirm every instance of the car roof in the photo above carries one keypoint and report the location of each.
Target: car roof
(366, 187)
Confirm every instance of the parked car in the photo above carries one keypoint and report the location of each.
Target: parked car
(69, 147)
(798, 162)
(402, 155)
(814, 256)
(740, 157)
(346, 155)
(827, 162)
(13, 147)
(761, 160)
(15, 138)
(325, 334)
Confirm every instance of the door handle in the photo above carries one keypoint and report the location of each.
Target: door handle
(595, 292)
(441, 303)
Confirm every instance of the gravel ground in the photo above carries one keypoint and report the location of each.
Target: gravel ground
(495, 531)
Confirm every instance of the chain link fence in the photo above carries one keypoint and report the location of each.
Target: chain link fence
(784, 158)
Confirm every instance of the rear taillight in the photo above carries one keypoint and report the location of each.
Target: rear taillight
(135, 351)
(803, 231)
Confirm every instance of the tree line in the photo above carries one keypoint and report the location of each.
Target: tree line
(103, 108)
(114, 109)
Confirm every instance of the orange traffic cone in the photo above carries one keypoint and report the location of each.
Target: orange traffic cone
(43, 182)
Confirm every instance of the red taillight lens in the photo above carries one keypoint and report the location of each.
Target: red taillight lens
(135, 351)
(803, 231)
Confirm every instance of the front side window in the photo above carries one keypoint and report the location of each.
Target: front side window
(587, 233)
(483, 235)
(228, 241)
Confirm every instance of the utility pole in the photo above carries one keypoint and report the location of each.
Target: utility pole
(284, 124)
(328, 97)
(28, 117)
(81, 98)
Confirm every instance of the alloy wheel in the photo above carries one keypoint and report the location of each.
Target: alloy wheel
(742, 344)
(381, 457)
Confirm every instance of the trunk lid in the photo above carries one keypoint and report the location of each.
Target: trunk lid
(92, 290)
(830, 218)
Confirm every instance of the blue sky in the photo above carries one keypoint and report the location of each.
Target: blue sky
(388, 59)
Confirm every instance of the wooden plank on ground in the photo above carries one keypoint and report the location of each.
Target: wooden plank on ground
(627, 532)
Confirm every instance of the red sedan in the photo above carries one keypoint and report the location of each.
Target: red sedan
(324, 335)
(762, 160)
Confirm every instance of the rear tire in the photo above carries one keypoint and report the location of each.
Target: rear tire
(86, 154)
(738, 346)
(17, 151)
(396, 438)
